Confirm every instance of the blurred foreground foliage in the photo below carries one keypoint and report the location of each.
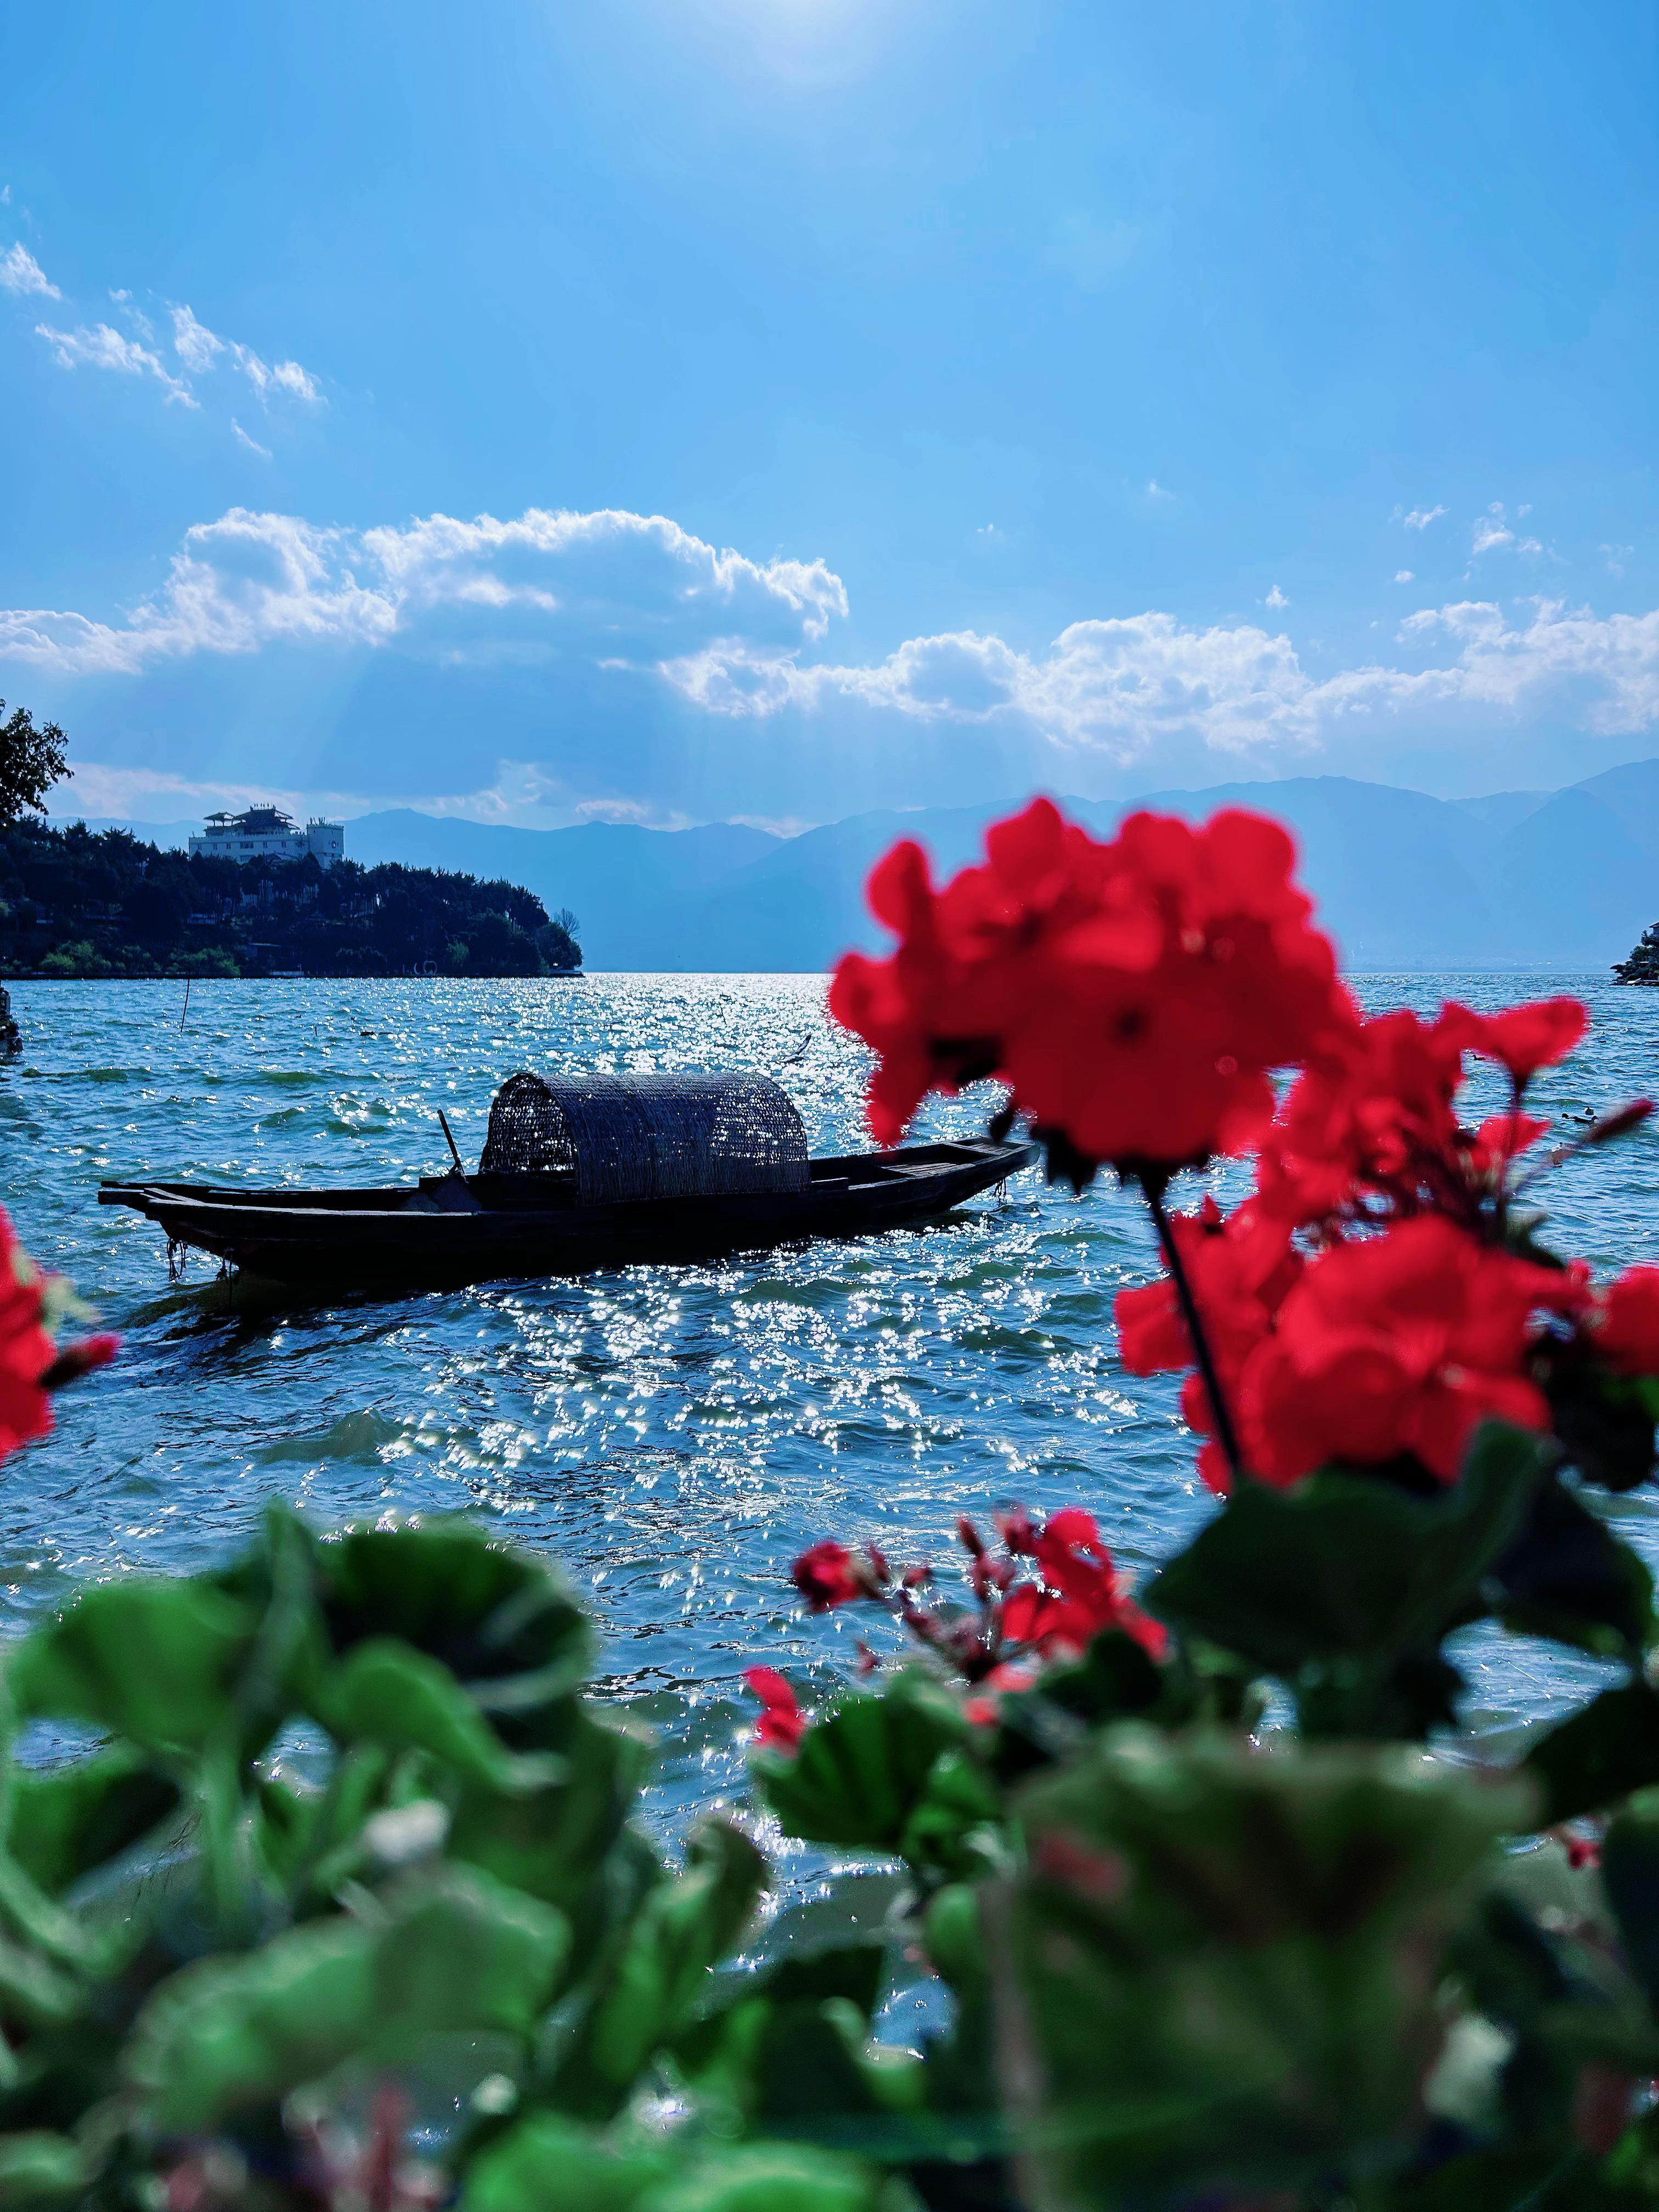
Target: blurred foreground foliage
(322, 1885)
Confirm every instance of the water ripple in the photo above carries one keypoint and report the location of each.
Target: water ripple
(674, 1435)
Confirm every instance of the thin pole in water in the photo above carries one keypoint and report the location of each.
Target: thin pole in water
(181, 1017)
(454, 1151)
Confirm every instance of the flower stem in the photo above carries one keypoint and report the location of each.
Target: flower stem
(1226, 1435)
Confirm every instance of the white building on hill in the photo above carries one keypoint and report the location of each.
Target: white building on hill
(265, 833)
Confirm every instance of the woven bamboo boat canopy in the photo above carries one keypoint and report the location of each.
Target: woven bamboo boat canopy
(648, 1136)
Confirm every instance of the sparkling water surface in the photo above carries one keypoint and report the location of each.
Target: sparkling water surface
(672, 1435)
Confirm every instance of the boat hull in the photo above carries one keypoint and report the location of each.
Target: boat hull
(397, 1238)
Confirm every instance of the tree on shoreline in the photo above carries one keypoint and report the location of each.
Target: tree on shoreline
(32, 760)
(1642, 964)
(76, 904)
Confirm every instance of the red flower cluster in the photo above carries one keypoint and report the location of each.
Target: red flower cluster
(1375, 1120)
(1241, 1266)
(1623, 1323)
(1079, 1595)
(1401, 1343)
(827, 1576)
(31, 1365)
(782, 1723)
(1076, 1595)
(1134, 995)
(1524, 1038)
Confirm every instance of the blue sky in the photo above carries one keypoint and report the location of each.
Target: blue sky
(678, 410)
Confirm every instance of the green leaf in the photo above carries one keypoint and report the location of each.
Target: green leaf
(550, 1840)
(1541, 2175)
(34, 1992)
(1554, 1982)
(795, 2070)
(234, 2032)
(1221, 1972)
(68, 1820)
(1339, 1584)
(780, 2177)
(550, 2164)
(953, 1831)
(1603, 1422)
(1629, 1876)
(1599, 1754)
(37, 2167)
(651, 1981)
(859, 1775)
(194, 1642)
(1116, 1679)
(386, 1692)
(463, 1951)
(455, 1952)
(852, 1972)
(499, 1619)
(1569, 1577)
(287, 1828)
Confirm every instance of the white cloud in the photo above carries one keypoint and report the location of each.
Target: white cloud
(199, 350)
(1615, 556)
(1121, 689)
(1493, 533)
(102, 347)
(243, 581)
(1276, 599)
(243, 439)
(21, 273)
(1602, 669)
(631, 590)
(1419, 518)
(1404, 576)
(1116, 687)
(736, 637)
(286, 376)
(1155, 489)
(196, 345)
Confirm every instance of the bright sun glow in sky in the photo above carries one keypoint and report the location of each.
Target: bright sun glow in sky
(694, 408)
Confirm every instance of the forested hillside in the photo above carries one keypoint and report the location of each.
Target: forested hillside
(76, 902)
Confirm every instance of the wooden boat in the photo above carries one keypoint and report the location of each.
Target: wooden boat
(583, 1172)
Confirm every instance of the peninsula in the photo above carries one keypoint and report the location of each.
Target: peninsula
(75, 902)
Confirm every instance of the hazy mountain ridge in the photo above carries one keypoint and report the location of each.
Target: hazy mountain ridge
(1565, 879)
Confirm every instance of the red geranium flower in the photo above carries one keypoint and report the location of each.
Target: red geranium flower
(782, 1723)
(1501, 1137)
(31, 1364)
(1134, 995)
(828, 1576)
(1401, 1343)
(1376, 1115)
(1524, 1038)
(1624, 1323)
(1078, 1595)
(1240, 1268)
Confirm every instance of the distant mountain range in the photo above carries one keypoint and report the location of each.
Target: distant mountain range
(1565, 879)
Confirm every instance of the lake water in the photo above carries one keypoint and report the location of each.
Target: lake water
(674, 1437)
